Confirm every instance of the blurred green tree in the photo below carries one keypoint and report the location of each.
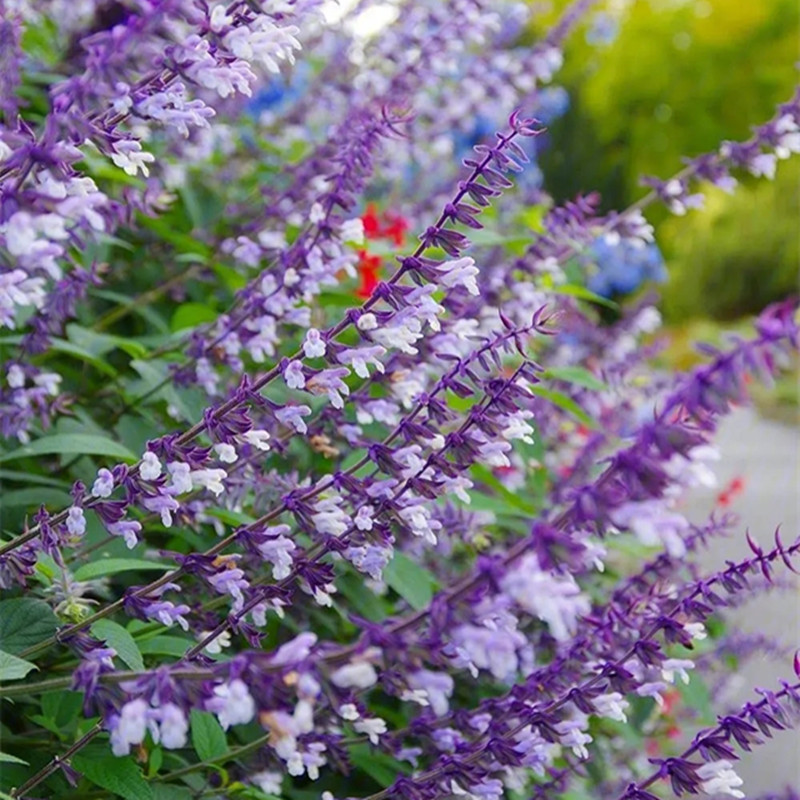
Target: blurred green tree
(678, 78)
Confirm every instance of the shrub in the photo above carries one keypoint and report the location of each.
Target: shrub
(301, 499)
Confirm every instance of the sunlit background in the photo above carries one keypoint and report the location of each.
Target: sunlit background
(647, 83)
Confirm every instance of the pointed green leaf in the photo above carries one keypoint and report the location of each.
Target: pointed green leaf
(577, 375)
(24, 622)
(115, 636)
(112, 566)
(564, 402)
(411, 581)
(121, 776)
(13, 668)
(208, 738)
(87, 444)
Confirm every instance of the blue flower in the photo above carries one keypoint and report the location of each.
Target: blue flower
(623, 267)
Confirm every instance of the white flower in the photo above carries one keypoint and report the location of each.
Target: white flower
(218, 19)
(418, 518)
(232, 704)
(226, 452)
(150, 468)
(293, 375)
(367, 322)
(278, 551)
(696, 630)
(402, 335)
(258, 439)
(15, 376)
(554, 599)
(352, 230)
(764, 164)
(272, 240)
(676, 665)
(268, 781)
(572, 736)
(517, 427)
(131, 727)
(210, 479)
(322, 595)
(494, 454)
(317, 214)
(314, 344)
(181, 477)
(17, 289)
(360, 675)
(329, 518)
(48, 381)
(612, 706)
(129, 156)
(719, 778)
(215, 646)
(652, 689)
(264, 41)
(373, 727)
(437, 442)
(361, 358)
(349, 712)
(76, 522)
(172, 727)
(104, 484)
(418, 696)
(461, 272)
(363, 519)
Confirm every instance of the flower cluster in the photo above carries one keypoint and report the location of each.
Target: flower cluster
(328, 474)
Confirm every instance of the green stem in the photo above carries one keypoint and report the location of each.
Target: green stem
(236, 752)
(114, 677)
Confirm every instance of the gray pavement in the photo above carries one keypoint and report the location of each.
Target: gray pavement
(767, 455)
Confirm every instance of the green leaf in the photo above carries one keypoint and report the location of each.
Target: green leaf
(383, 769)
(100, 343)
(190, 315)
(360, 599)
(9, 759)
(62, 707)
(582, 293)
(163, 791)
(208, 738)
(62, 346)
(114, 635)
(35, 480)
(411, 581)
(165, 646)
(182, 241)
(230, 517)
(13, 668)
(24, 622)
(577, 375)
(111, 566)
(564, 402)
(145, 312)
(512, 500)
(121, 776)
(87, 444)
(33, 498)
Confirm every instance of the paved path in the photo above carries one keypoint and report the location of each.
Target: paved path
(767, 455)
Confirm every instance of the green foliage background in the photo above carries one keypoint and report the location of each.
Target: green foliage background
(680, 77)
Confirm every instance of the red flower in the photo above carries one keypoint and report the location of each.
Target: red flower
(368, 267)
(396, 229)
(392, 227)
(372, 224)
(731, 492)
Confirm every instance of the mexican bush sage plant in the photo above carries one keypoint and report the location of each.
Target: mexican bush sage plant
(336, 459)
